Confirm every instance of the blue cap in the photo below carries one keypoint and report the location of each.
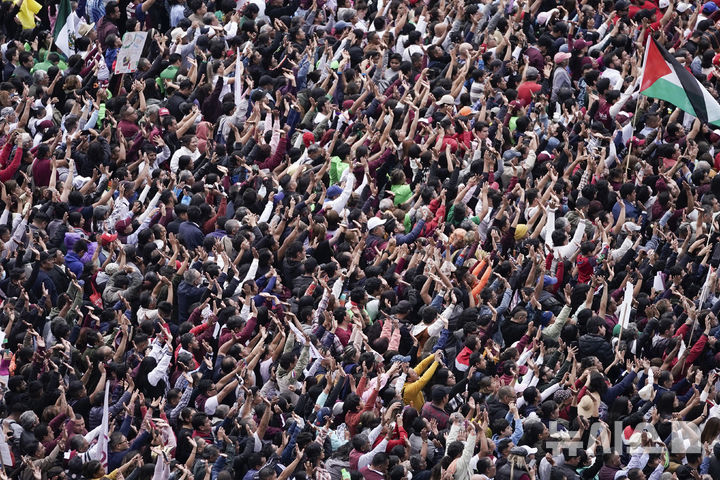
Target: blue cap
(550, 280)
(552, 143)
(400, 358)
(510, 154)
(333, 192)
(322, 415)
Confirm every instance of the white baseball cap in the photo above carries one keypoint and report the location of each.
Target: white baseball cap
(375, 222)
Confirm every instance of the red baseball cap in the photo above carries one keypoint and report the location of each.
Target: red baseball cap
(106, 238)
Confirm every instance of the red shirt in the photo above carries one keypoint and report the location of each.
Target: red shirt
(41, 170)
(526, 90)
(128, 129)
(634, 9)
(585, 268)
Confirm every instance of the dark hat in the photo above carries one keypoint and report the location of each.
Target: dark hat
(684, 472)
(519, 451)
(622, 4)
(403, 306)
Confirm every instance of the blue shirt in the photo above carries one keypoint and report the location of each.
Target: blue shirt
(631, 213)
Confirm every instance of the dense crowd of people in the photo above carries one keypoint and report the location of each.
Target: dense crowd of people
(345, 240)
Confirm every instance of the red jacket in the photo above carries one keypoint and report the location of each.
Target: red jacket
(8, 172)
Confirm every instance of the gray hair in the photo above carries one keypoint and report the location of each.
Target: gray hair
(232, 225)
(185, 175)
(208, 18)
(28, 420)
(191, 275)
(39, 75)
(152, 110)
(221, 411)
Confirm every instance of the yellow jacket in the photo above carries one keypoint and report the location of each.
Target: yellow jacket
(412, 392)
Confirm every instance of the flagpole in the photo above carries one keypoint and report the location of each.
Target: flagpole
(637, 104)
(704, 292)
(629, 152)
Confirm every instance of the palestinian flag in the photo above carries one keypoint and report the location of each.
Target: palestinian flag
(663, 77)
(66, 28)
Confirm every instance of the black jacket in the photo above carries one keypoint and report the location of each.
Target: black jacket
(496, 409)
(503, 473)
(594, 345)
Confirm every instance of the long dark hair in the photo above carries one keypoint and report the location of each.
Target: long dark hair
(618, 409)
(147, 365)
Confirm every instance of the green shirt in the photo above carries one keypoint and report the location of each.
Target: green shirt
(44, 66)
(168, 74)
(337, 167)
(402, 193)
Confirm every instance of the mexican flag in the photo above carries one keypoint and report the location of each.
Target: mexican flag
(66, 28)
(663, 77)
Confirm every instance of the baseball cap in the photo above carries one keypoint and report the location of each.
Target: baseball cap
(561, 57)
(622, 5)
(709, 7)
(400, 358)
(544, 157)
(529, 450)
(163, 112)
(107, 238)
(341, 25)
(465, 111)
(403, 306)
(682, 7)
(44, 124)
(580, 43)
(177, 33)
(664, 3)
(375, 222)
(623, 116)
(333, 192)
(510, 154)
(446, 100)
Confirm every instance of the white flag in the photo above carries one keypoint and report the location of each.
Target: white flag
(682, 349)
(104, 437)
(627, 305)
(238, 79)
(705, 289)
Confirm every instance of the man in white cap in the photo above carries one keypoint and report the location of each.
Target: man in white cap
(446, 104)
(377, 241)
